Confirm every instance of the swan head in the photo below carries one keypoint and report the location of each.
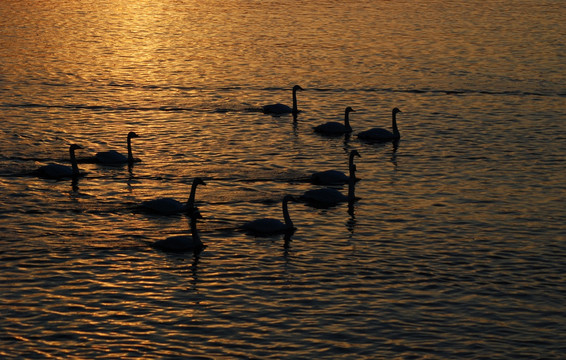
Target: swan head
(297, 87)
(349, 109)
(355, 153)
(288, 198)
(396, 110)
(132, 135)
(198, 181)
(74, 147)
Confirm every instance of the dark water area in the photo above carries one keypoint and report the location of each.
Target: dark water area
(454, 250)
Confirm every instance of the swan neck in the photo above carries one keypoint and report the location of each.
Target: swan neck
(394, 125)
(130, 155)
(191, 201)
(286, 216)
(74, 164)
(295, 109)
(347, 120)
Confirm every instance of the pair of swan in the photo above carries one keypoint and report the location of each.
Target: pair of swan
(330, 196)
(375, 134)
(183, 243)
(279, 109)
(58, 171)
(113, 157)
(259, 227)
(325, 197)
(170, 206)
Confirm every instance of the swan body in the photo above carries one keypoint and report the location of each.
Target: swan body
(182, 243)
(113, 157)
(57, 171)
(169, 206)
(379, 134)
(269, 226)
(278, 109)
(329, 177)
(336, 128)
(335, 177)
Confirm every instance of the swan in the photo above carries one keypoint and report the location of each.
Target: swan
(113, 157)
(57, 171)
(336, 128)
(268, 226)
(335, 177)
(283, 109)
(328, 196)
(169, 206)
(379, 134)
(183, 243)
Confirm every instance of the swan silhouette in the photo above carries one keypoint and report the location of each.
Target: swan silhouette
(183, 243)
(269, 226)
(381, 135)
(326, 197)
(57, 171)
(113, 157)
(169, 206)
(335, 177)
(277, 109)
(336, 128)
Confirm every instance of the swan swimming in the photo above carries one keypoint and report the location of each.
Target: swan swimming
(283, 109)
(379, 134)
(169, 206)
(183, 243)
(269, 226)
(113, 157)
(57, 171)
(336, 128)
(329, 196)
(335, 177)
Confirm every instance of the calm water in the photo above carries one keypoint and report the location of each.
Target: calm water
(456, 249)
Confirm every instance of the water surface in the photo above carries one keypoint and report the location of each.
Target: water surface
(454, 250)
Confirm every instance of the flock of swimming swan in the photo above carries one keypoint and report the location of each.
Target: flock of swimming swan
(261, 227)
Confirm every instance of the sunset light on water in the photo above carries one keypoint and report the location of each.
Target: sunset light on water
(453, 247)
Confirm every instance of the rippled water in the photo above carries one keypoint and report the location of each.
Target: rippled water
(454, 250)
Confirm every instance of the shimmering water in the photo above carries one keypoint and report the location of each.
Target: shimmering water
(455, 249)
